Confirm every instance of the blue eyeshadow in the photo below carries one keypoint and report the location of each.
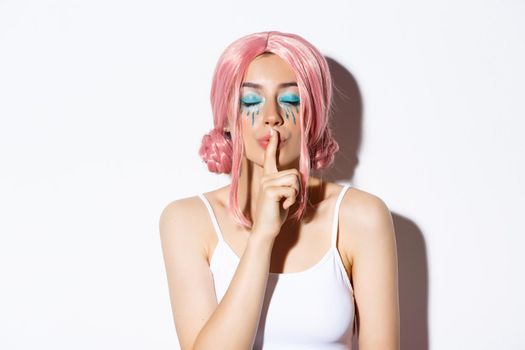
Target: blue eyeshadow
(290, 98)
(251, 99)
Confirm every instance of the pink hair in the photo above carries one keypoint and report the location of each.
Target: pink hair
(223, 154)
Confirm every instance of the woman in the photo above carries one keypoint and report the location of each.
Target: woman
(278, 259)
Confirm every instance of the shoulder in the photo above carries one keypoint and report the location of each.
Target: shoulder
(365, 218)
(363, 208)
(181, 211)
(181, 225)
(190, 209)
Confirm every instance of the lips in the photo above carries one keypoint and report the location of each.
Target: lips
(263, 141)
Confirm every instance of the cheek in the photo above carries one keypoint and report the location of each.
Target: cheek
(297, 142)
(248, 138)
(246, 120)
(247, 128)
(290, 113)
(250, 116)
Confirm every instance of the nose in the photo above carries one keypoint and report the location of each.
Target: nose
(272, 115)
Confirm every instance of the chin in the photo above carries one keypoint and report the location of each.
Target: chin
(286, 163)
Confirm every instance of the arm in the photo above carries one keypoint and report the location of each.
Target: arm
(374, 271)
(201, 323)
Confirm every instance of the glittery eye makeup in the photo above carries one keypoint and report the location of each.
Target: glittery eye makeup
(290, 98)
(251, 103)
(288, 102)
(251, 99)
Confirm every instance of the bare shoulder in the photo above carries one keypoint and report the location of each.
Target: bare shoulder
(364, 218)
(368, 225)
(363, 208)
(182, 211)
(180, 208)
(183, 235)
(181, 223)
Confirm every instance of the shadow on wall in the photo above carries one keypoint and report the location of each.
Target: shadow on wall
(411, 251)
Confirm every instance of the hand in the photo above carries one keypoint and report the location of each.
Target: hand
(278, 191)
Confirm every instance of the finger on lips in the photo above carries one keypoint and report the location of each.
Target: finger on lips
(290, 178)
(270, 163)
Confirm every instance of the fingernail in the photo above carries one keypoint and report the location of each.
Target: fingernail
(272, 132)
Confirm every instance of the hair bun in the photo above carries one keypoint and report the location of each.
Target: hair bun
(216, 152)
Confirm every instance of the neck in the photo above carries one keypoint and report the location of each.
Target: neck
(249, 184)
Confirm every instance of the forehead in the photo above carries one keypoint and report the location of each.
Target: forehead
(269, 68)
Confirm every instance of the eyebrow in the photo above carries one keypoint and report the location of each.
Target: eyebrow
(259, 86)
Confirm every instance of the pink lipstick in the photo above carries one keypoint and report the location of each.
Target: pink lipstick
(263, 141)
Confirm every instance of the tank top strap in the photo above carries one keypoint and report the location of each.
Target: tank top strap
(336, 214)
(212, 216)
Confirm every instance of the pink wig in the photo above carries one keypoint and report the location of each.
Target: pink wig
(223, 153)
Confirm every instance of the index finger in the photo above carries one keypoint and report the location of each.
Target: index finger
(270, 163)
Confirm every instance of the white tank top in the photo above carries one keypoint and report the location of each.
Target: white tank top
(310, 309)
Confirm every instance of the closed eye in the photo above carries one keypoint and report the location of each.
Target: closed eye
(293, 100)
(249, 104)
(293, 103)
(250, 100)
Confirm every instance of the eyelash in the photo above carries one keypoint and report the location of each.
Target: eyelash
(249, 104)
(293, 103)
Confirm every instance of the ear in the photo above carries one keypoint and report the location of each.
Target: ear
(226, 127)
(226, 131)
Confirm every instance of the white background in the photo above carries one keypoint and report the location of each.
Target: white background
(103, 105)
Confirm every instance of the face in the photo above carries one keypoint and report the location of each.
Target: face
(269, 97)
